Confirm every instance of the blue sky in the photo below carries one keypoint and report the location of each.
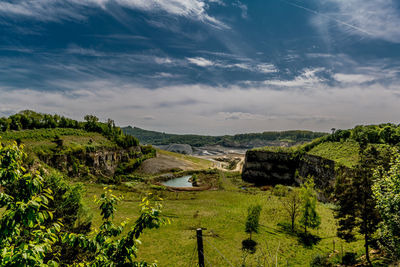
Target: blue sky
(204, 66)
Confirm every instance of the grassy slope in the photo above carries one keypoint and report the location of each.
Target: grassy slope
(40, 139)
(345, 153)
(223, 213)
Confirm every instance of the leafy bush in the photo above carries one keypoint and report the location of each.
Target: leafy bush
(31, 230)
(280, 190)
(349, 258)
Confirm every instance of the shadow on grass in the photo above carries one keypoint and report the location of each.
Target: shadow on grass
(286, 228)
(249, 245)
(307, 240)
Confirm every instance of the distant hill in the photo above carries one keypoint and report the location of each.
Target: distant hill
(249, 140)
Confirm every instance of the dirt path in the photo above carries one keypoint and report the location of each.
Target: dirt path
(219, 165)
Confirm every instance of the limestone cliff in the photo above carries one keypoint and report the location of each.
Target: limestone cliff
(101, 162)
(271, 168)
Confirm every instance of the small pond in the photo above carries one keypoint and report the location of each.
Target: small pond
(179, 182)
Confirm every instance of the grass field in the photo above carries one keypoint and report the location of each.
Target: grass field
(222, 212)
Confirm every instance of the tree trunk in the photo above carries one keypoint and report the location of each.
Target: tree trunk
(292, 224)
(367, 249)
(365, 221)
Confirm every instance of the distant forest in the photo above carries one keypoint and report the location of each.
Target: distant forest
(248, 140)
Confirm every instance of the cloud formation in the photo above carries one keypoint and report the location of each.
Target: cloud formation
(58, 10)
(380, 18)
(216, 110)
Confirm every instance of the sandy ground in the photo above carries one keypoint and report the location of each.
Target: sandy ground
(164, 163)
(220, 165)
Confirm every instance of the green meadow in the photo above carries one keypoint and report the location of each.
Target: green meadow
(222, 214)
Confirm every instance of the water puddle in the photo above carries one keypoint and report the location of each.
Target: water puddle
(179, 182)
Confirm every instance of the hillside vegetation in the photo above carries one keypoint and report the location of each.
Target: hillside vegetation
(248, 140)
(30, 120)
(79, 149)
(343, 145)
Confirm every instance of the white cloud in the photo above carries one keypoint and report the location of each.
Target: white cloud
(56, 10)
(380, 18)
(242, 7)
(308, 78)
(353, 78)
(201, 62)
(255, 67)
(216, 110)
(164, 60)
(266, 68)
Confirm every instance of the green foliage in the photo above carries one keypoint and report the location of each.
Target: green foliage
(280, 190)
(354, 198)
(386, 190)
(31, 231)
(291, 204)
(239, 140)
(132, 164)
(28, 230)
(309, 216)
(104, 247)
(253, 219)
(320, 260)
(349, 258)
(67, 204)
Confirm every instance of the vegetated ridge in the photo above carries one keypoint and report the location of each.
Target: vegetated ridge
(322, 158)
(90, 148)
(248, 140)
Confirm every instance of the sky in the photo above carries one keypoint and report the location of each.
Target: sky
(204, 66)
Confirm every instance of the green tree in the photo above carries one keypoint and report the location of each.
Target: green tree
(253, 217)
(386, 190)
(356, 204)
(105, 248)
(309, 216)
(91, 123)
(31, 231)
(27, 229)
(291, 204)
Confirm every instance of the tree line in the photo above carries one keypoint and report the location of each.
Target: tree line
(238, 140)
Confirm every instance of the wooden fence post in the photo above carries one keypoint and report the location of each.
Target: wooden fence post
(200, 250)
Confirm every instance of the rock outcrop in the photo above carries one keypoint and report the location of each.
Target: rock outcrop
(271, 168)
(180, 148)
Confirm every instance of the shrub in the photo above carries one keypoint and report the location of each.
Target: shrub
(349, 258)
(280, 190)
(320, 260)
(31, 233)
